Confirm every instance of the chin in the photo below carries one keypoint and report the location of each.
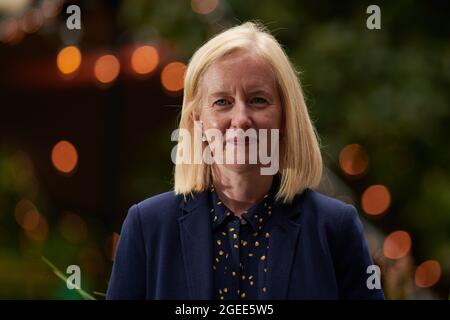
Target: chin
(241, 167)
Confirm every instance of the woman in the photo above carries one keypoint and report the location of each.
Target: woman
(231, 230)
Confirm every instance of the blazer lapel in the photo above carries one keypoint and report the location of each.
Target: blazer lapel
(282, 247)
(197, 246)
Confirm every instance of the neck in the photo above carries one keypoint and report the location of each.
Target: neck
(240, 190)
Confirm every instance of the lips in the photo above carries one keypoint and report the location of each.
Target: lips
(241, 140)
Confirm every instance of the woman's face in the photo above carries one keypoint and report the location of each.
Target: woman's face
(239, 91)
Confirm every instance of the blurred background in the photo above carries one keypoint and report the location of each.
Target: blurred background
(86, 117)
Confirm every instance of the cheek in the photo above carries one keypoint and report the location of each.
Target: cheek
(212, 121)
(271, 118)
(278, 117)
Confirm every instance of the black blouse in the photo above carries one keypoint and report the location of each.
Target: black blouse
(240, 248)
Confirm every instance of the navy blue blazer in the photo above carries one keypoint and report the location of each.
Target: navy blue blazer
(317, 250)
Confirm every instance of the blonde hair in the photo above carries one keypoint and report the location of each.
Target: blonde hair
(300, 161)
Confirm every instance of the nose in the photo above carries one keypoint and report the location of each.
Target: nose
(241, 117)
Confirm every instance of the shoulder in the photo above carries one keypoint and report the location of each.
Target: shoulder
(316, 205)
(157, 210)
(163, 201)
(337, 228)
(330, 218)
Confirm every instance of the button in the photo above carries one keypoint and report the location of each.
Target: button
(243, 221)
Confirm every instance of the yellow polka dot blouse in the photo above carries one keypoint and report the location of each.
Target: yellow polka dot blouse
(240, 249)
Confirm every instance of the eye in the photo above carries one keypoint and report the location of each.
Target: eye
(258, 101)
(222, 102)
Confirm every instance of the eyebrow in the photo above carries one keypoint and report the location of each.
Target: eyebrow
(219, 93)
(260, 91)
(252, 92)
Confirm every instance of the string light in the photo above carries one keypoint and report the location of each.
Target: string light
(106, 68)
(376, 199)
(172, 76)
(68, 59)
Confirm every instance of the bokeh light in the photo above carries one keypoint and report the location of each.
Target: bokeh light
(40, 233)
(32, 20)
(64, 156)
(428, 274)
(68, 59)
(172, 76)
(72, 227)
(144, 59)
(8, 28)
(397, 245)
(376, 199)
(10, 31)
(33, 223)
(353, 160)
(26, 214)
(51, 8)
(204, 6)
(106, 68)
(30, 220)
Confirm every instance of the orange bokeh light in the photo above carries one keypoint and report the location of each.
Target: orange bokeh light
(68, 59)
(64, 156)
(32, 222)
(144, 59)
(428, 274)
(40, 232)
(172, 76)
(353, 160)
(204, 6)
(397, 245)
(106, 68)
(376, 199)
(26, 215)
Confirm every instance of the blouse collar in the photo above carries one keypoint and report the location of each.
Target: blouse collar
(256, 216)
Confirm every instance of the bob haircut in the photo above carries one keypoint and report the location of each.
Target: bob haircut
(300, 164)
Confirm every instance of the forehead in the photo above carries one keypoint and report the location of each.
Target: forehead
(238, 69)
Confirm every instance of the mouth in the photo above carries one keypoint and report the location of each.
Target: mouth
(241, 141)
